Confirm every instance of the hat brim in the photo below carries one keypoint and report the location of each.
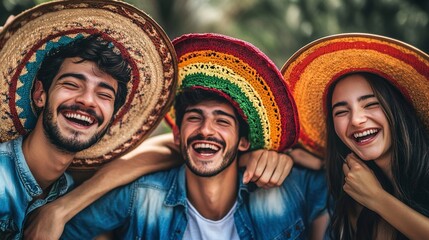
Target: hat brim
(25, 41)
(312, 69)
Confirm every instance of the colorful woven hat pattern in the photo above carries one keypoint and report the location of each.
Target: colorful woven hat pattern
(25, 42)
(244, 75)
(311, 70)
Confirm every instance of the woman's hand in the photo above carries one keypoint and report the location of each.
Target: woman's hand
(360, 182)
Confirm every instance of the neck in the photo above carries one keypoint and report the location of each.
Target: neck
(213, 197)
(46, 162)
(384, 162)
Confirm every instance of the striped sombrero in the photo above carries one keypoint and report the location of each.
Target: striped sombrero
(139, 39)
(311, 70)
(239, 71)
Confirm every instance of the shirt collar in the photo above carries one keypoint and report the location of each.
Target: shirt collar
(60, 186)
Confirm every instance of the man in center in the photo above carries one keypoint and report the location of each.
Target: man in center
(231, 99)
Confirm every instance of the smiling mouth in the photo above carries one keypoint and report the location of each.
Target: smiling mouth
(206, 149)
(79, 118)
(365, 135)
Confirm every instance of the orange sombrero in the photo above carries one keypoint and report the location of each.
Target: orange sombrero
(313, 68)
(138, 38)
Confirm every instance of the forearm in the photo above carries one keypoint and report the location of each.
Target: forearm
(152, 155)
(405, 219)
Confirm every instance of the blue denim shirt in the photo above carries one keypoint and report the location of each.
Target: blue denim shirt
(154, 207)
(18, 188)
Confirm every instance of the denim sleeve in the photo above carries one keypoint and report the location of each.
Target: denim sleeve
(316, 193)
(106, 214)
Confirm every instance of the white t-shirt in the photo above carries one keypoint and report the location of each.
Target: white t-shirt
(203, 228)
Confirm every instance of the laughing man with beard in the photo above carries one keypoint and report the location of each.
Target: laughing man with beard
(77, 95)
(72, 80)
(231, 99)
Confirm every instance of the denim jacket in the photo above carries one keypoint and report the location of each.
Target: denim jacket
(18, 188)
(154, 207)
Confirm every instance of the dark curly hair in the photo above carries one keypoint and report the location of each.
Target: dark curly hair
(94, 49)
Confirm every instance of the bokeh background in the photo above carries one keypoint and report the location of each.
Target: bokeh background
(279, 27)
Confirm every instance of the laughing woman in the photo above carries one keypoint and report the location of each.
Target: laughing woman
(373, 92)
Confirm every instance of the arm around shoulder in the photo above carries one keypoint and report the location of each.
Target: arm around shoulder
(152, 155)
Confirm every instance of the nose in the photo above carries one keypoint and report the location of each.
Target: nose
(86, 98)
(358, 117)
(206, 128)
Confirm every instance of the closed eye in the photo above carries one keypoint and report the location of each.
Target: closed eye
(224, 122)
(70, 85)
(106, 96)
(372, 104)
(193, 118)
(340, 113)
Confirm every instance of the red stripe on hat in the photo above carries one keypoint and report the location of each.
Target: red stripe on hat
(257, 60)
(409, 59)
(14, 81)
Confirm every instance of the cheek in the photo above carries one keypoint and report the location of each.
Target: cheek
(107, 109)
(340, 125)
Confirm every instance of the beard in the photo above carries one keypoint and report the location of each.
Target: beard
(228, 159)
(70, 144)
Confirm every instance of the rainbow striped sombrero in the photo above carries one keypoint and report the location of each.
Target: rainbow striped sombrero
(138, 38)
(248, 77)
(311, 70)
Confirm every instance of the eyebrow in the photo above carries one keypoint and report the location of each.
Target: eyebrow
(215, 112)
(361, 98)
(83, 78)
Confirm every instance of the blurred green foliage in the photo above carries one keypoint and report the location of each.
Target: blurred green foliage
(280, 27)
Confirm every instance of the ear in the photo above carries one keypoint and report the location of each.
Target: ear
(244, 144)
(39, 95)
(176, 134)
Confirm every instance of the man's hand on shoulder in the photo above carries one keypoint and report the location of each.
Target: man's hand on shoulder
(266, 168)
(270, 168)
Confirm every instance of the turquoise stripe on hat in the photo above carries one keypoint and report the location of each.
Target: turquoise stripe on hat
(27, 116)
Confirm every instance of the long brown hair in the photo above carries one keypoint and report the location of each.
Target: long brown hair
(410, 163)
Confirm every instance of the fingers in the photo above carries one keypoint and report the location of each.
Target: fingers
(346, 169)
(9, 19)
(250, 161)
(277, 169)
(266, 168)
(272, 163)
(286, 170)
(261, 166)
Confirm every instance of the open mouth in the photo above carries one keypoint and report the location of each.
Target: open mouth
(366, 135)
(80, 119)
(206, 149)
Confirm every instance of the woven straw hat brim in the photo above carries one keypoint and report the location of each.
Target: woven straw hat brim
(25, 41)
(312, 69)
(247, 78)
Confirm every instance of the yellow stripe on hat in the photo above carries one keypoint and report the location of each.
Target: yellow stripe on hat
(246, 78)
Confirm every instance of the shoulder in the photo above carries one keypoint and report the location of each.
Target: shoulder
(300, 175)
(8, 164)
(7, 147)
(159, 180)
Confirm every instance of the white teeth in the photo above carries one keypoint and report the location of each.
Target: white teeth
(79, 117)
(206, 145)
(365, 133)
